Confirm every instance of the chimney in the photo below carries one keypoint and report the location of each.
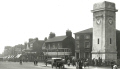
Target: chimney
(45, 39)
(68, 33)
(51, 35)
(30, 39)
(36, 39)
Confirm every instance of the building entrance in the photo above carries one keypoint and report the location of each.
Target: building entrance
(77, 55)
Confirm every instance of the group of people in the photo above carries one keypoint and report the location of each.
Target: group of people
(114, 65)
(35, 61)
(97, 62)
(83, 63)
(80, 63)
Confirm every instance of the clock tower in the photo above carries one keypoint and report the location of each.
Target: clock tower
(104, 31)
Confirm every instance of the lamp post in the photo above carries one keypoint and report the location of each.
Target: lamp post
(57, 49)
(14, 52)
(64, 53)
(57, 52)
(47, 53)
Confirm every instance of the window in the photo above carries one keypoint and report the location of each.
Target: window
(31, 45)
(98, 40)
(77, 44)
(53, 45)
(49, 46)
(87, 36)
(77, 37)
(87, 44)
(110, 41)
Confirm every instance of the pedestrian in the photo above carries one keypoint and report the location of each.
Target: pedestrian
(37, 61)
(34, 61)
(93, 62)
(115, 66)
(96, 61)
(73, 62)
(68, 62)
(46, 61)
(20, 61)
(112, 63)
(80, 64)
(77, 64)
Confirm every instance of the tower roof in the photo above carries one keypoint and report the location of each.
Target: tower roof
(105, 5)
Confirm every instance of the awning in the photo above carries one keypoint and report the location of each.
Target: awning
(18, 55)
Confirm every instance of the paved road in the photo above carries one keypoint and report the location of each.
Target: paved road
(30, 65)
(16, 65)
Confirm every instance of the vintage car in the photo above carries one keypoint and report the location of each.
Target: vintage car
(58, 62)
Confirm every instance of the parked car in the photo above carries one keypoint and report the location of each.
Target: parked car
(58, 62)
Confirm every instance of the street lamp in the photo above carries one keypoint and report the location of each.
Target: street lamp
(57, 52)
(64, 52)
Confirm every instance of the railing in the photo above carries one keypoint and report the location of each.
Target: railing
(57, 51)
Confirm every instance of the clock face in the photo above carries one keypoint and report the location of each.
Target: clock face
(98, 20)
(110, 20)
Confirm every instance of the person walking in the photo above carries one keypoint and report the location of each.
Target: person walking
(37, 61)
(20, 61)
(112, 63)
(73, 62)
(68, 62)
(46, 61)
(115, 66)
(77, 64)
(34, 61)
(80, 64)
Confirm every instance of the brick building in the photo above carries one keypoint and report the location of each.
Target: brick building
(33, 49)
(103, 40)
(84, 43)
(59, 46)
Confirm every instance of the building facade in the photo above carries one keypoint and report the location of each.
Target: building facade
(34, 50)
(104, 31)
(83, 44)
(103, 40)
(60, 46)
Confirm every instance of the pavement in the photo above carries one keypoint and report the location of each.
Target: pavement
(30, 65)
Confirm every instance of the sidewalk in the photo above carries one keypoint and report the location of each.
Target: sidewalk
(74, 67)
(90, 67)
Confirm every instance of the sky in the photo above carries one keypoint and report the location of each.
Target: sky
(24, 19)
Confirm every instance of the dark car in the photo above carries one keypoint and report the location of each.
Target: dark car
(58, 62)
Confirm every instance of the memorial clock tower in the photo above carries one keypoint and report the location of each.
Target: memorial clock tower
(104, 31)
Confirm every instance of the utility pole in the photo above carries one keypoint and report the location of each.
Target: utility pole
(57, 51)
(14, 52)
(64, 52)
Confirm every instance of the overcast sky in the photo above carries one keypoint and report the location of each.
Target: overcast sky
(24, 19)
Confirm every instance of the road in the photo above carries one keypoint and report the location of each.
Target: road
(25, 65)
(30, 65)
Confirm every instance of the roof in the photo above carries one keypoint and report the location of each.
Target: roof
(90, 30)
(56, 39)
(41, 42)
